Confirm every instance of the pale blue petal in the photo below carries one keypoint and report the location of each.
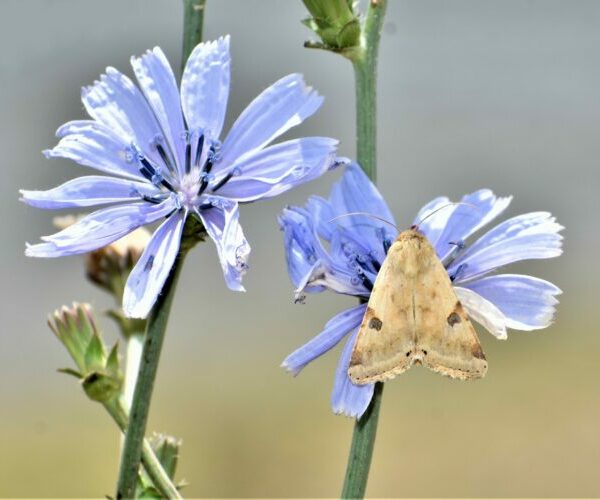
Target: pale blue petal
(335, 330)
(285, 104)
(89, 191)
(528, 303)
(530, 236)
(347, 398)
(205, 87)
(333, 274)
(276, 169)
(94, 145)
(300, 247)
(433, 217)
(117, 103)
(351, 260)
(222, 224)
(321, 213)
(147, 278)
(478, 209)
(99, 229)
(356, 193)
(482, 311)
(313, 267)
(158, 84)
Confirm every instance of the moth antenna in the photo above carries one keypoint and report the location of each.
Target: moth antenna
(366, 214)
(416, 226)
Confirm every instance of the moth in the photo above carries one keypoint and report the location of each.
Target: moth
(414, 317)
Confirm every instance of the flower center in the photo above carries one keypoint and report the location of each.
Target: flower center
(200, 154)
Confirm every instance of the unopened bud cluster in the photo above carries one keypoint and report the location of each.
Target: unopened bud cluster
(335, 22)
(97, 369)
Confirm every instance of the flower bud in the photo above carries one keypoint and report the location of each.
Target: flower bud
(99, 372)
(109, 267)
(335, 22)
(166, 449)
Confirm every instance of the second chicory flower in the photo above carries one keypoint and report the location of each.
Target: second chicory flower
(344, 255)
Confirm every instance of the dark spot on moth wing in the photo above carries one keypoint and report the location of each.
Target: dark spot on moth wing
(375, 323)
(356, 358)
(453, 319)
(477, 351)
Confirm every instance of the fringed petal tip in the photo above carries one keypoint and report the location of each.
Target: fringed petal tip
(154, 51)
(45, 250)
(290, 369)
(349, 413)
(340, 161)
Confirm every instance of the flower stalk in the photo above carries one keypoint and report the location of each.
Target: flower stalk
(361, 449)
(140, 407)
(99, 372)
(134, 444)
(152, 465)
(193, 21)
(364, 62)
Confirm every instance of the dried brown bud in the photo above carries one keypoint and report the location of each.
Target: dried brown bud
(109, 267)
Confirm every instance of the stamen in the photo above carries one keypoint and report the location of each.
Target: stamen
(151, 199)
(459, 246)
(199, 149)
(149, 263)
(188, 157)
(458, 272)
(376, 265)
(154, 176)
(164, 157)
(386, 245)
(222, 182)
(147, 173)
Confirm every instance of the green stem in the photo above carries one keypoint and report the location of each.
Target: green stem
(134, 437)
(364, 61)
(365, 74)
(153, 467)
(193, 19)
(361, 450)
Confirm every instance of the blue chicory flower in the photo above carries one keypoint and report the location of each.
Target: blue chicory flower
(345, 255)
(161, 148)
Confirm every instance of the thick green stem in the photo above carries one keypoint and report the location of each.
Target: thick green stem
(153, 467)
(364, 61)
(193, 19)
(361, 450)
(134, 437)
(365, 74)
(366, 118)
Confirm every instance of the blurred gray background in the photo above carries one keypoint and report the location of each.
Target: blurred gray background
(499, 94)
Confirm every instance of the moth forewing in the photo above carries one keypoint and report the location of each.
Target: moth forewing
(386, 338)
(414, 317)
